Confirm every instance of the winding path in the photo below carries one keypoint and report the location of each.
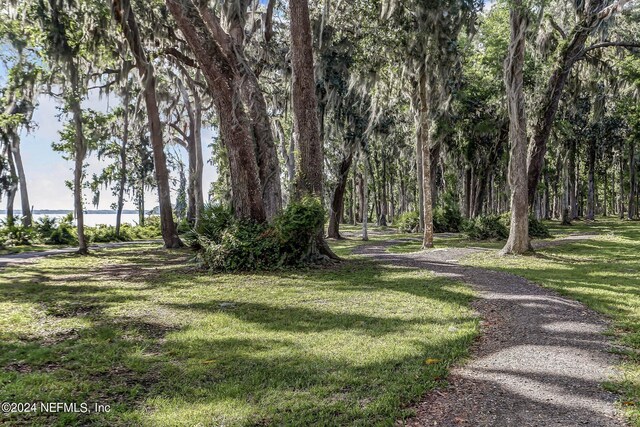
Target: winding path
(540, 360)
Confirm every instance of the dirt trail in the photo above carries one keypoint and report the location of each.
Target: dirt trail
(540, 361)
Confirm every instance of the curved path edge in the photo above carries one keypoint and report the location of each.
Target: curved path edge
(540, 360)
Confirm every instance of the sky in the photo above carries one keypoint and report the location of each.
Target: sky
(47, 171)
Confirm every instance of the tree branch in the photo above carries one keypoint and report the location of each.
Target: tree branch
(628, 45)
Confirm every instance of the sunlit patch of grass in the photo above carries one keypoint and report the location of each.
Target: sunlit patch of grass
(604, 274)
(164, 344)
(27, 248)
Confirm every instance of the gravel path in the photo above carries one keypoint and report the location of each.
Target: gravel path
(27, 257)
(540, 360)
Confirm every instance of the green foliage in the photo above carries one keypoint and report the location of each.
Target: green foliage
(537, 229)
(296, 227)
(447, 219)
(486, 228)
(107, 233)
(226, 244)
(15, 234)
(64, 234)
(408, 222)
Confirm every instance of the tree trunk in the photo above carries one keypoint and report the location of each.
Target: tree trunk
(365, 200)
(78, 172)
(123, 161)
(13, 186)
(205, 36)
(591, 198)
(27, 218)
(125, 17)
(337, 200)
(632, 179)
(570, 52)
(309, 179)
(518, 242)
(425, 179)
(419, 166)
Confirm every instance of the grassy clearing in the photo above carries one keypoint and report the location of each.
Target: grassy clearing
(140, 330)
(28, 248)
(604, 274)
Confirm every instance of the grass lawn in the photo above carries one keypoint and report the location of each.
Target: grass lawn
(139, 329)
(28, 248)
(604, 274)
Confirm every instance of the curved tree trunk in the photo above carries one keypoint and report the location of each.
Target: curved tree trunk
(337, 200)
(27, 217)
(205, 36)
(518, 242)
(126, 19)
(572, 50)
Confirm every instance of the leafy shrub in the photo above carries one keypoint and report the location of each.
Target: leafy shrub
(16, 234)
(486, 228)
(447, 219)
(408, 222)
(45, 226)
(537, 229)
(64, 234)
(226, 244)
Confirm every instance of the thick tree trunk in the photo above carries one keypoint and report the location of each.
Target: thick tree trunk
(253, 98)
(125, 17)
(205, 36)
(309, 179)
(518, 242)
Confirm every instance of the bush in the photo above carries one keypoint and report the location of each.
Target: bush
(45, 226)
(18, 235)
(64, 234)
(537, 229)
(490, 227)
(226, 244)
(408, 222)
(447, 219)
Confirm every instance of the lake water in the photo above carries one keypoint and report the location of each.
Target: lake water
(91, 220)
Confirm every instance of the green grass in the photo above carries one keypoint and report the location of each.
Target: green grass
(139, 329)
(604, 274)
(28, 248)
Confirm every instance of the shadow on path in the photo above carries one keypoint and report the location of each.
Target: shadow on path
(540, 361)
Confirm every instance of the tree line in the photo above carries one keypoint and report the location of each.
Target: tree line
(377, 108)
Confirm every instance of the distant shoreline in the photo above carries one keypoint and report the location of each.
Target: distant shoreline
(65, 212)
